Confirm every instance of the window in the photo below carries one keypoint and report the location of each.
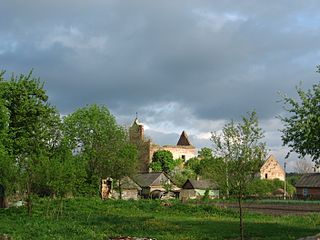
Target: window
(183, 157)
(266, 176)
(305, 192)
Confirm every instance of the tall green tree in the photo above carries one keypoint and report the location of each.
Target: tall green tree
(240, 143)
(301, 132)
(7, 166)
(162, 160)
(100, 142)
(32, 126)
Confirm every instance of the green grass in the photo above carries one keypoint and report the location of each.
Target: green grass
(84, 218)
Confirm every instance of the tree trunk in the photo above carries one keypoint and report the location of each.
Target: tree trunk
(29, 200)
(120, 189)
(2, 202)
(241, 217)
(227, 180)
(3, 199)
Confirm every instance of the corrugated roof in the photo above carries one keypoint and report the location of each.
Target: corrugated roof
(202, 184)
(309, 180)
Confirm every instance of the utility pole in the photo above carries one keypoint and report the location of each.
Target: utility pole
(285, 181)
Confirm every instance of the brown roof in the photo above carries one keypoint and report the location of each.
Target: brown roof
(183, 140)
(309, 180)
(200, 184)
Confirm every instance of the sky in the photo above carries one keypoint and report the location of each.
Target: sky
(181, 64)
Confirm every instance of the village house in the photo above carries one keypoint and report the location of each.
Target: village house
(272, 169)
(129, 189)
(155, 184)
(199, 188)
(182, 150)
(110, 189)
(308, 186)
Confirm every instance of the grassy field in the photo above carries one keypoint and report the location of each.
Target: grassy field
(83, 218)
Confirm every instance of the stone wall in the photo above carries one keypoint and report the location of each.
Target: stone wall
(272, 169)
(183, 152)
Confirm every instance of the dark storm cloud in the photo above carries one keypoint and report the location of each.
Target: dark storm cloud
(213, 59)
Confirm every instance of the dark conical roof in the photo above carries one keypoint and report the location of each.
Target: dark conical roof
(183, 140)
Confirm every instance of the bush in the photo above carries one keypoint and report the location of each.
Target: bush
(262, 188)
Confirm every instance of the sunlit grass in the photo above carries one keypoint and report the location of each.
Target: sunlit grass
(83, 218)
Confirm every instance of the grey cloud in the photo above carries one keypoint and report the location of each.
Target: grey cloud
(215, 60)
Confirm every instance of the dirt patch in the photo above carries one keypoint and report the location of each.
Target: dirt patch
(275, 208)
(271, 208)
(5, 237)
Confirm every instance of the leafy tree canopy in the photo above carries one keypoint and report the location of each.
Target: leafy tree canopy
(194, 164)
(95, 136)
(205, 153)
(301, 131)
(162, 160)
(33, 126)
(241, 147)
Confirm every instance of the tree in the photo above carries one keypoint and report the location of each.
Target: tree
(7, 166)
(205, 153)
(216, 169)
(162, 160)
(301, 132)
(302, 165)
(97, 139)
(240, 144)
(125, 166)
(33, 126)
(195, 165)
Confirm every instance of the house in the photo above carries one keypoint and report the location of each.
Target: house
(154, 184)
(308, 187)
(129, 189)
(110, 189)
(183, 149)
(272, 169)
(199, 188)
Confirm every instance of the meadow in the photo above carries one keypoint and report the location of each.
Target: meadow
(92, 218)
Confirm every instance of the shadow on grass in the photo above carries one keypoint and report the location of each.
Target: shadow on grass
(194, 228)
(93, 219)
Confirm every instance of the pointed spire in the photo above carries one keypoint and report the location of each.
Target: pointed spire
(136, 120)
(183, 140)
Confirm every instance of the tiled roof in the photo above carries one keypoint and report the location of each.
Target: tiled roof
(309, 180)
